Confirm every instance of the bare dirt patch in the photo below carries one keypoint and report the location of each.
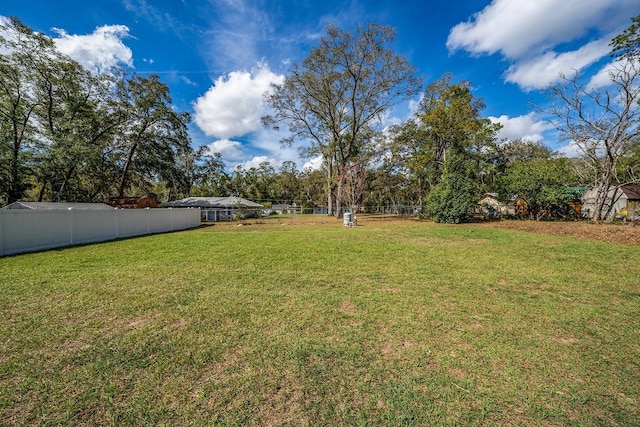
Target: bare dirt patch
(612, 233)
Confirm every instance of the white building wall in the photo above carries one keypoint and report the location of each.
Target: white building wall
(615, 199)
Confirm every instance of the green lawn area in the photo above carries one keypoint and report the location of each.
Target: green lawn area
(388, 323)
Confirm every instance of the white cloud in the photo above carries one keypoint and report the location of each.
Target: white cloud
(528, 127)
(570, 150)
(226, 148)
(515, 27)
(233, 105)
(313, 164)
(255, 162)
(543, 70)
(414, 104)
(604, 77)
(99, 51)
(539, 37)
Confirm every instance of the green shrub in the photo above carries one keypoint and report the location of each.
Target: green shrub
(453, 199)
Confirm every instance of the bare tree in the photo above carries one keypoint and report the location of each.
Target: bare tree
(603, 123)
(337, 97)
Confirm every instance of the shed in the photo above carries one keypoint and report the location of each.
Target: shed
(218, 208)
(53, 206)
(135, 202)
(618, 198)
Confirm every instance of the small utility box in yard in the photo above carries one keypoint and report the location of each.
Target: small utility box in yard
(349, 219)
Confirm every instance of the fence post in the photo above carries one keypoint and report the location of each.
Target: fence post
(116, 213)
(70, 226)
(148, 220)
(2, 234)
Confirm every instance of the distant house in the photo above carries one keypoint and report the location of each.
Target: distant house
(489, 206)
(49, 206)
(217, 208)
(618, 198)
(138, 202)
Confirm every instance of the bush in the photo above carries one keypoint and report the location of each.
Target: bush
(453, 199)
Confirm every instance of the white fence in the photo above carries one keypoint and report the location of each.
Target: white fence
(24, 230)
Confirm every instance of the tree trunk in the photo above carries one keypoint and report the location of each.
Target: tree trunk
(339, 196)
(42, 190)
(330, 187)
(14, 192)
(125, 171)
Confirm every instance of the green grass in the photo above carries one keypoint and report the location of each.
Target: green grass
(389, 323)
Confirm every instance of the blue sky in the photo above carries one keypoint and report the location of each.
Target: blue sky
(219, 56)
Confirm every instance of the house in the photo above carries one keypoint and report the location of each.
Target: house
(490, 207)
(137, 202)
(618, 198)
(52, 206)
(217, 208)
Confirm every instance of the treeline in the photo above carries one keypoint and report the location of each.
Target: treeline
(69, 135)
(546, 181)
(336, 100)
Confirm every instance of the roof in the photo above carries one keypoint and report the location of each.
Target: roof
(212, 203)
(632, 191)
(54, 206)
(135, 202)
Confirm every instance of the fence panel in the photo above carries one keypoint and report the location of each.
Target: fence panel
(158, 221)
(93, 226)
(27, 230)
(134, 223)
(184, 218)
(24, 230)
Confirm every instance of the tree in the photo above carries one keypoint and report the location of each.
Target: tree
(69, 135)
(336, 98)
(545, 187)
(412, 156)
(450, 114)
(603, 123)
(522, 149)
(453, 199)
(208, 175)
(23, 53)
(152, 134)
(77, 125)
(313, 188)
(389, 185)
(627, 44)
(55, 121)
(629, 165)
(286, 184)
(448, 120)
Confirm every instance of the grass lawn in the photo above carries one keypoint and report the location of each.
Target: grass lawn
(388, 323)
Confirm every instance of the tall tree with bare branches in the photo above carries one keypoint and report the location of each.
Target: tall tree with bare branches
(336, 98)
(603, 123)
